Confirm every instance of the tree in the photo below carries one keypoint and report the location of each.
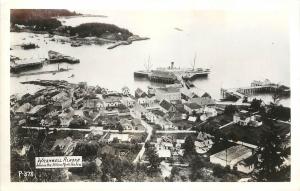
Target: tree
(230, 109)
(270, 156)
(154, 160)
(256, 104)
(120, 127)
(189, 145)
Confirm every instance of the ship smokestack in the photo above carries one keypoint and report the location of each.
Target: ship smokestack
(172, 65)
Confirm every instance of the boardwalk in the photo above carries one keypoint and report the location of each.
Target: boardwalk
(226, 125)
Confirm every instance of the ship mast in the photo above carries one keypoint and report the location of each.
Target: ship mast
(148, 65)
(194, 63)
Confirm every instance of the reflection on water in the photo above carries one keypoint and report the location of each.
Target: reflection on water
(237, 47)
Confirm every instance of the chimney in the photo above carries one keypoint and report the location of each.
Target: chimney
(172, 65)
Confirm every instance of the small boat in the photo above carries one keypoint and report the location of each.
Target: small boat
(178, 29)
(53, 73)
(71, 76)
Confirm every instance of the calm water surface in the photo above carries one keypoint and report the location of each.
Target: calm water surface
(237, 47)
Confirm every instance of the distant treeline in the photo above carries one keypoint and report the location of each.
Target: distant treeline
(100, 30)
(43, 20)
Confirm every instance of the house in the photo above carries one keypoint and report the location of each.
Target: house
(125, 91)
(192, 107)
(140, 93)
(93, 103)
(203, 101)
(246, 166)
(231, 156)
(67, 146)
(137, 123)
(187, 94)
(208, 112)
(164, 143)
(139, 110)
(126, 124)
(119, 137)
(245, 118)
(96, 130)
(167, 106)
(66, 117)
(26, 107)
(164, 123)
(63, 103)
(150, 117)
(128, 101)
(82, 85)
(168, 93)
(203, 143)
(151, 91)
(59, 96)
(112, 102)
(175, 116)
(38, 111)
(164, 154)
(146, 101)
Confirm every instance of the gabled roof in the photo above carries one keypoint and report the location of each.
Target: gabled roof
(36, 109)
(165, 104)
(140, 92)
(202, 101)
(24, 108)
(192, 105)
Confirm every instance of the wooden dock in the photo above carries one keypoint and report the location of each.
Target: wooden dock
(40, 72)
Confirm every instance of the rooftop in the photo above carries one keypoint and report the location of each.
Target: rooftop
(36, 109)
(232, 153)
(193, 105)
(165, 104)
(168, 90)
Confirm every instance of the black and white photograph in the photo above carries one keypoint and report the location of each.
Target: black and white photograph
(149, 95)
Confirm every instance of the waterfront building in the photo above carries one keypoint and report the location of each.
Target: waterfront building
(161, 76)
(170, 94)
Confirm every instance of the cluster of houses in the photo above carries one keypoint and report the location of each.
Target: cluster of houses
(168, 147)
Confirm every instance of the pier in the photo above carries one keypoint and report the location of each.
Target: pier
(40, 72)
(255, 88)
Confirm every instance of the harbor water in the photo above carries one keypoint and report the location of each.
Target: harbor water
(238, 47)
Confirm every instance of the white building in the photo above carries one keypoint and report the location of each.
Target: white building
(231, 156)
(170, 94)
(125, 91)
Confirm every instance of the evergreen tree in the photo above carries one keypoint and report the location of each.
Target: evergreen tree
(270, 157)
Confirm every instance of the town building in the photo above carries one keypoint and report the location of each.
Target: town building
(146, 101)
(192, 107)
(245, 118)
(128, 101)
(167, 106)
(125, 91)
(170, 94)
(231, 156)
(140, 93)
(162, 77)
(93, 103)
(112, 102)
(38, 111)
